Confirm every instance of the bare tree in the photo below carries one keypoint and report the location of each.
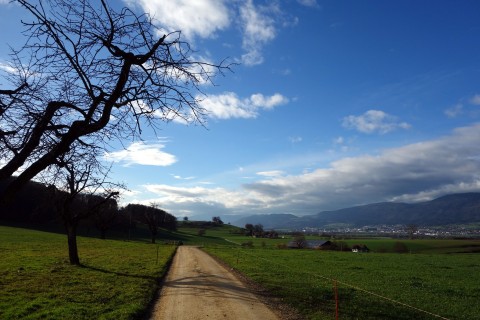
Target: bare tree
(153, 217)
(80, 178)
(87, 70)
(104, 216)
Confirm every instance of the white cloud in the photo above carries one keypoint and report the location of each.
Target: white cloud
(295, 139)
(448, 164)
(261, 101)
(182, 178)
(374, 121)
(229, 105)
(258, 29)
(475, 100)
(273, 173)
(195, 18)
(308, 3)
(192, 198)
(339, 140)
(142, 154)
(6, 67)
(454, 111)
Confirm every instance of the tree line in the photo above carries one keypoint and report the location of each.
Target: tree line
(38, 205)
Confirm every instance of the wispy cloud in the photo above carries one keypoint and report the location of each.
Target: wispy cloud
(374, 121)
(273, 173)
(258, 29)
(140, 153)
(295, 139)
(182, 178)
(6, 67)
(454, 111)
(475, 100)
(309, 3)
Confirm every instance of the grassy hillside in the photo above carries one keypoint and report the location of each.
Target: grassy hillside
(118, 279)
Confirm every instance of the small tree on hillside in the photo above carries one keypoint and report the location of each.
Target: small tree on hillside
(217, 221)
(153, 218)
(104, 216)
(79, 176)
(249, 229)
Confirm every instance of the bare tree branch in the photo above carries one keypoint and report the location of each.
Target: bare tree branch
(82, 65)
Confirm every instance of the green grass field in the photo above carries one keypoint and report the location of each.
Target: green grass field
(447, 285)
(118, 279)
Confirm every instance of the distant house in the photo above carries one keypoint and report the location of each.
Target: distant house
(311, 244)
(360, 248)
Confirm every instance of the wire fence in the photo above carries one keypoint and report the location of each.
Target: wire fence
(341, 299)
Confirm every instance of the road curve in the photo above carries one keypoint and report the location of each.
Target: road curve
(198, 287)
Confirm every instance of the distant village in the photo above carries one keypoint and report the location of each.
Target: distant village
(399, 231)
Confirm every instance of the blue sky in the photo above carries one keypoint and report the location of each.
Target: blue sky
(332, 104)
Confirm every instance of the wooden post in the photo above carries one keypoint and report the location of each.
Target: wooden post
(335, 290)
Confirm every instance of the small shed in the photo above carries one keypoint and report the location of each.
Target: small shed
(311, 244)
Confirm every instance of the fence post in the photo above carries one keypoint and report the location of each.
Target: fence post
(335, 290)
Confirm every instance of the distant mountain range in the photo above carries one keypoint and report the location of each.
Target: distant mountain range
(460, 208)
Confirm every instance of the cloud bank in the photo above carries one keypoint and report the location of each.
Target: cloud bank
(415, 172)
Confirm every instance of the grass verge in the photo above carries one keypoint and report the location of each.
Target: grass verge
(117, 279)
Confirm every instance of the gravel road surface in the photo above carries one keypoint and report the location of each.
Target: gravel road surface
(198, 287)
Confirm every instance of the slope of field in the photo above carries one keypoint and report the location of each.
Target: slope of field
(118, 279)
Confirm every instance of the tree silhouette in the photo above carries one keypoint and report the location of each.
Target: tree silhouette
(88, 73)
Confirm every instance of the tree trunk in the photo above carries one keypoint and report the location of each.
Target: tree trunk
(153, 238)
(103, 234)
(72, 243)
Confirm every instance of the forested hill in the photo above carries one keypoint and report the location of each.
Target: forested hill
(449, 209)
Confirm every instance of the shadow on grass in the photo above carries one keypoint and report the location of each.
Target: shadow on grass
(121, 274)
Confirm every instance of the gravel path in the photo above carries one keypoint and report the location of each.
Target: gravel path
(198, 287)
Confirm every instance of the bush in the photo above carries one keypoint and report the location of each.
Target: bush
(400, 247)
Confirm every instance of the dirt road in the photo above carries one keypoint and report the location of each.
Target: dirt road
(197, 287)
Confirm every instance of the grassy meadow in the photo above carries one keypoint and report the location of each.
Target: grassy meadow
(117, 279)
(370, 285)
